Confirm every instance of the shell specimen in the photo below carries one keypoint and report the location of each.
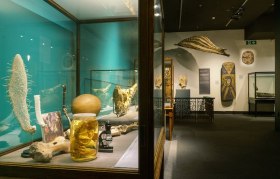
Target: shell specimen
(17, 90)
(202, 43)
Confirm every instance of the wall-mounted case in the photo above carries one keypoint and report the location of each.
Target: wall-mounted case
(261, 92)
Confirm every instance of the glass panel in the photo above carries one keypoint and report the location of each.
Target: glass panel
(158, 71)
(100, 9)
(251, 82)
(37, 58)
(265, 85)
(109, 71)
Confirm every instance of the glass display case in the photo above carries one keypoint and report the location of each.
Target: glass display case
(55, 52)
(157, 90)
(261, 92)
(103, 83)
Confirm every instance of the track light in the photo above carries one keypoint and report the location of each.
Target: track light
(238, 14)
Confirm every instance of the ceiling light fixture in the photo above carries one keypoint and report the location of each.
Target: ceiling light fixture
(180, 17)
(238, 14)
(157, 14)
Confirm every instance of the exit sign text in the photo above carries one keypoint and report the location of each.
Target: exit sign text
(251, 42)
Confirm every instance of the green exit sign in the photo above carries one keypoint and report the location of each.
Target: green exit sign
(251, 42)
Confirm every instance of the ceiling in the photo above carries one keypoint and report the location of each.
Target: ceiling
(255, 16)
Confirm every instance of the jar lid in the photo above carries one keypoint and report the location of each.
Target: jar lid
(85, 114)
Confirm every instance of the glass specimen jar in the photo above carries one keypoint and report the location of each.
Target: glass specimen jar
(84, 137)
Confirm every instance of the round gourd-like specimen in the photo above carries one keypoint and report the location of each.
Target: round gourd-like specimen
(86, 103)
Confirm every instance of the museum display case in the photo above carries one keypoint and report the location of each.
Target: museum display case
(65, 64)
(158, 97)
(261, 92)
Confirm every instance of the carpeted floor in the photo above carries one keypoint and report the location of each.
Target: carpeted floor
(233, 147)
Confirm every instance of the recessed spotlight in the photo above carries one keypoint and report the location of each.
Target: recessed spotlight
(157, 14)
(213, 18)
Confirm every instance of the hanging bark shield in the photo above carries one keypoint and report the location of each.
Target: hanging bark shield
(202, 43)
(228, 91)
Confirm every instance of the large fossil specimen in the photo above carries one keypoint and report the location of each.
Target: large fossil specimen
(122, 99)
(44, 152)
(202, 43)
(123, 129)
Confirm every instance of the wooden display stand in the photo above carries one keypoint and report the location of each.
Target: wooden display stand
(169, 93)
(169, 112)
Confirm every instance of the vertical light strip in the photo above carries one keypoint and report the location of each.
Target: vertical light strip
(244, 3)
(180, 17)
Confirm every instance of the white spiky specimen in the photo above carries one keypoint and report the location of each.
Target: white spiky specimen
(17, 90)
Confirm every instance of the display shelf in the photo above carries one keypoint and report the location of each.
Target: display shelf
(103, 160)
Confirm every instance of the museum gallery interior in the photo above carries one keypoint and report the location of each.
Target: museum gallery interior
(94, 88)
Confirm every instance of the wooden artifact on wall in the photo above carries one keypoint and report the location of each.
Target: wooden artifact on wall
(204, 81)
(168, 79)
(122, 99)
(248, 57)
(202, 43)
(183, 80)
(228, 91)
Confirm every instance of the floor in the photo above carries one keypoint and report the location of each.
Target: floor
(233, 147)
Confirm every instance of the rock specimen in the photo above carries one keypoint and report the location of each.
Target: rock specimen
(122, 99)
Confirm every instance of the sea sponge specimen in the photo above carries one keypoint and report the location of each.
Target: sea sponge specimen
(17, 90)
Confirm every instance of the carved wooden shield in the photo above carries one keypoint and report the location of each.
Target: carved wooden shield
(228, 89)
(248, 57)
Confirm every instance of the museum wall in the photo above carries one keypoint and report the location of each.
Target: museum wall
(188, 61)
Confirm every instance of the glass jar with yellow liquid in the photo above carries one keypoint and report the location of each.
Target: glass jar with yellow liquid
(84, 137)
